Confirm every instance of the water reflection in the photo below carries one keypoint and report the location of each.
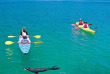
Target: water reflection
(9, 52)
(81, 38)
(79, 32)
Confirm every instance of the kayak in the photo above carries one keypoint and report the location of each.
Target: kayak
(86, 29)
(24, 46)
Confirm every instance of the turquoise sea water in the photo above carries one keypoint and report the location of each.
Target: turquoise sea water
(73, 50)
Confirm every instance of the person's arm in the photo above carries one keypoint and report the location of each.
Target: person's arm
(83, 26)
(21, 34)
(87, 26)
(26, 33)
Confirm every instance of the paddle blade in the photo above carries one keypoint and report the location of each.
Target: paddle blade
(76, 27)
(11, 36)
(73, 24)
(38, 42)
(95, 27)
(37, 36)
(9, 42)
(89, 24)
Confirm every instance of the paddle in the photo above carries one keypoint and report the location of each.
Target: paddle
(94, 27)
(36, 42)
(37, 36)
(12, 36)
(73, 24)
(10, 42)
(89, 24)
(76, 27)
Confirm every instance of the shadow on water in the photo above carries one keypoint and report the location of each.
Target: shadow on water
(25, 54)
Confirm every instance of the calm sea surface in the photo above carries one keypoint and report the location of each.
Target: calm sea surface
(73, 50)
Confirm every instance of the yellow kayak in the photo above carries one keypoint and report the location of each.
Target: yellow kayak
(86, 29)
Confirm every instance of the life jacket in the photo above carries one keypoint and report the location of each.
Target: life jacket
(85, 25)
(24, 41)
(23, 33)
(80, 23)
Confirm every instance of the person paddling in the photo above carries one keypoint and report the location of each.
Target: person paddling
(80, 22)
(23, 32)
(24, 36)
(85, 25)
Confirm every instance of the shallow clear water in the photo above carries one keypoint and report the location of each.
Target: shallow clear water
(74, 51)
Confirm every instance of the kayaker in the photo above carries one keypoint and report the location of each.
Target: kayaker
(85, 25)
(24, 35)
(80, 22)
(23, 32)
